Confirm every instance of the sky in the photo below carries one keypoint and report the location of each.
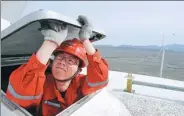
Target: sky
(125, 22)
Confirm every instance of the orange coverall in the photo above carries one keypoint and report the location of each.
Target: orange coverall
(29, 86)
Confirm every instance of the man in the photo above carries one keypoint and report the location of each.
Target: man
(52, 93)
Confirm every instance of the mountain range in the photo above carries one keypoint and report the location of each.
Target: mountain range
(169, 47)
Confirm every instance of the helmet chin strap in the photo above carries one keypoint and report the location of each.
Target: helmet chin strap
(78, 70)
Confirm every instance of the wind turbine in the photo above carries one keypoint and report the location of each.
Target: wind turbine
(163, 55)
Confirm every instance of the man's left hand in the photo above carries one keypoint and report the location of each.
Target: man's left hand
(86, 30)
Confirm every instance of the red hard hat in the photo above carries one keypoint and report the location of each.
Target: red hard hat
(73, 47)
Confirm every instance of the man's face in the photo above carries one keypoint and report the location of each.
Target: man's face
(64, 66)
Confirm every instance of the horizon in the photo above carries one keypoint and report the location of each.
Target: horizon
(140, 45)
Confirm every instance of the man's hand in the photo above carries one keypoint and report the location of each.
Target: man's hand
(86, 31)
(54, 32)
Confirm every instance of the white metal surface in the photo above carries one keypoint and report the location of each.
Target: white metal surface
(117, 82)
(41, 15)
(103, 104)
(9, 108)
(5, 111)
(12, 10)
(4, 24)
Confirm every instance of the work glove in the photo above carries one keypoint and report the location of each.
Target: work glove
(54, 31)
(86, 30)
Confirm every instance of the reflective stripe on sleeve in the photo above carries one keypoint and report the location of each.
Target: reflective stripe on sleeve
(97, 83)
(18, 96)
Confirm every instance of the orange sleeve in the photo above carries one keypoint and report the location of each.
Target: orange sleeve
(26, 83)
(97, 74)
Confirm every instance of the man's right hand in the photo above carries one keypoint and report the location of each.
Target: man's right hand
(56, 32)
